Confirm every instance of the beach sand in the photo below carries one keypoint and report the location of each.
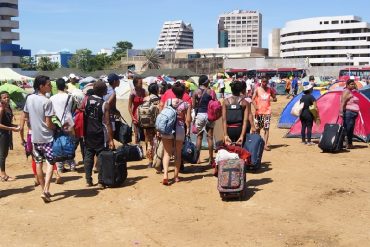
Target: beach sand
(301, 197)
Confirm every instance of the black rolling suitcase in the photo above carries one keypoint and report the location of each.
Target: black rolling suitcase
(113, 166)
(332, 138)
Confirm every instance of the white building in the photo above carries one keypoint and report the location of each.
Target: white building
(10, 53)
(240, 28)
(327, 41)
(226, 52)
(61, 58)
(106, 51)
(175, 35)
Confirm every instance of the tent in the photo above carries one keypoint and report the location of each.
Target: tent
(342, 84)
(366, 91)
(7, 74)
(178, 73)
(17, 94)
(286, 119)
(328, 105)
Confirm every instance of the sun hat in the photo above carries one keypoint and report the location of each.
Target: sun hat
(72, 76)
(306, 86)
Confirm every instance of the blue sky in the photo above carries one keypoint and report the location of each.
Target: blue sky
(54, 25)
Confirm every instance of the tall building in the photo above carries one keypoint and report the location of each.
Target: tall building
(327, 41)
(10, 53)
(240, 28)
(175, 35)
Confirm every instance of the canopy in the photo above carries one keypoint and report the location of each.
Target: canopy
(286, 119)
(12, 74)
(342, 84)
(366, 91)
(329, 105)
(17, 94)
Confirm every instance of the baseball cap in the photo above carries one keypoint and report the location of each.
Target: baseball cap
(113, 77)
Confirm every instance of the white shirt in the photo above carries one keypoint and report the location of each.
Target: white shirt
(221, 83)
(59, 101)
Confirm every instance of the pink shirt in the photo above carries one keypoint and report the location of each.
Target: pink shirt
(353, 103)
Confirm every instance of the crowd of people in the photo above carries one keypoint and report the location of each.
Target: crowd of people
(44, 114)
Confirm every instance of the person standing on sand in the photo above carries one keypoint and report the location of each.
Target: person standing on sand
(261, 102)
(111, 99)
(306, 117)
(6, 129)
(39, 110)
(98, 130)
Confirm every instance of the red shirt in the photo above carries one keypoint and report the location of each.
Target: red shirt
(170, 95)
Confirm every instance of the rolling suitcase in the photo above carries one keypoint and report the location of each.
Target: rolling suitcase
(231, 178)
(332, 138)
(254, 144)
(113, 167)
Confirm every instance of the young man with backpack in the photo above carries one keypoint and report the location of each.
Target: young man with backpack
(98, 130)
(38, 110)
(62, 104)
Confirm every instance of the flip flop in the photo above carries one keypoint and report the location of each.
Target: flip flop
(7, 179)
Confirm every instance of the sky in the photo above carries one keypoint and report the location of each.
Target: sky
(55, 25)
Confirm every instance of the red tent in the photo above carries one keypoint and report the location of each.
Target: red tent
(328, 105)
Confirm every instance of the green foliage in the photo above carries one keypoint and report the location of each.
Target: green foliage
(152, 59)
(120, 49)
(45, 64)
(28, 63)
(85, 61)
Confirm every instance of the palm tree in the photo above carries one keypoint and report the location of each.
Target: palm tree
(152, 59)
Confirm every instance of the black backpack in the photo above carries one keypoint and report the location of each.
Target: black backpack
(234, 112)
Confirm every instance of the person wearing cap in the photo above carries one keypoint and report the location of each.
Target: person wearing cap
(73, 83)
(110, 97)
(261, 102)
(306, 117)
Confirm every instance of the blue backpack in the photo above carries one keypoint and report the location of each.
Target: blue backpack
(166, 120)
(63, 147)
(189, 152)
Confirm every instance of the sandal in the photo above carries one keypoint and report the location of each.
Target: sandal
(267, 148)
(165, 182)
(177, 180)
(45, 197)
(7, 179)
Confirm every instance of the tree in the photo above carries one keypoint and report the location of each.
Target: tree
(152, 59)
(120, 50)
(82, 60)
(45, 64)
(101, 61)
(28, 63)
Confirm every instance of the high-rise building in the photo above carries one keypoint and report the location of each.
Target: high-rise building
(327, 41)
(175, 35)
(10, 53)
(62, 58)
(241, 28)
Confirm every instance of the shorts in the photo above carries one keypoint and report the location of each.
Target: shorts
(262, 121)
(43, 151)
(180, 133)
(202, 123)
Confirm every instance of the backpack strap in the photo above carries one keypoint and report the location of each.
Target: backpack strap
(65, 108)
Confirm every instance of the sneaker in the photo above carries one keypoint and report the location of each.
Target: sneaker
(45, 197)
(101, 186)
(304, 143)
(311, 144)
(89, 184)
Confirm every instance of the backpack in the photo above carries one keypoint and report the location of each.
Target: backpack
(147, 113)
(63, 144)
(234, 113)
(214, 109)
(166, 120)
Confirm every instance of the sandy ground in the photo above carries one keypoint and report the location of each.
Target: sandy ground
(301, 197)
